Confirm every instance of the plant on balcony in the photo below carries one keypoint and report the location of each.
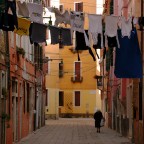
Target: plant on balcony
(20, 51)
(4, 92)
(5, 116)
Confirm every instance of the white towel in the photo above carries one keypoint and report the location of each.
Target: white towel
(126, 26)
(77, 21)
(111, 26)
(95, 27)
(61, 17)
(35, 11)
(23, 9)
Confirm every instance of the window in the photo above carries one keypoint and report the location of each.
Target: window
(47, 3)
(77, 98)
(18, 44)
(79, 7)
(14, 86)
(12, 39)
(77, 70)
(111, 7)
(38, 56)
(46, 102)
(61, 69)
(61, 98)
(61, 8)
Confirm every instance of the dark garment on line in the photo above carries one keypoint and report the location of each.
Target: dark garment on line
(54, 32)
(98, 45)
(141, 21)
(98, 116)
(38, 34)
(65, 35)
(81, 44)
(112, 41)
(128, 62)
(7, 22)
(30, 33)
(12, 6)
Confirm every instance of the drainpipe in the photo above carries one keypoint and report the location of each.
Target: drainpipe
(142, 82)
(7, 60)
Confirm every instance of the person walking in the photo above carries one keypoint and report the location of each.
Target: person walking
(98, 117)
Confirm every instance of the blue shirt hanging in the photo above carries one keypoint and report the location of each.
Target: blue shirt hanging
(128, 62)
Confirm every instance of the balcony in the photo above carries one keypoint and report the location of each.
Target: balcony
(77, 79)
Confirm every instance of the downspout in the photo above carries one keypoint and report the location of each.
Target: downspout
(142, 82)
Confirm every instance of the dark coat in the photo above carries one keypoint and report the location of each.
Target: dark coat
(98, 116)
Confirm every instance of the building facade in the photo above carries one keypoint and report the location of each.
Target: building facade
(72, 90)
(124, 96)
(22, 87)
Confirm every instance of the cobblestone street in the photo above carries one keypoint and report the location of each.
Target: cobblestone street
(73, 131)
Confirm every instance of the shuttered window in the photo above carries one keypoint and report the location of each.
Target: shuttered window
(61, 8)
(46, 102)
(61, 98)
(47, 3)
(79, 7)
(77, 71)
(77, 98)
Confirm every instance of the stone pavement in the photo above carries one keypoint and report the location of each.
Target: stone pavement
(73, 131)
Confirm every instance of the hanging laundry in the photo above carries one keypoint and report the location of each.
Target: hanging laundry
(128, 62)
(36, 12)
(95, 29)
(9, 17)
(81, 44)
(38, 32)
(65, 35)
(23, 26)
(111, 29)
(126, 26)
(141, 21)
(30, 33)
(7, 22)
(61, 17)
(23, 9)
(54, 32)
(77, 21)
(135, 20)
(77, 24)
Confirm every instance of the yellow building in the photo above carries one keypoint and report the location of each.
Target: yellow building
(72, 88)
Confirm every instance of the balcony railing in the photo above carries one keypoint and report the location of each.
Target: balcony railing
(77, 79)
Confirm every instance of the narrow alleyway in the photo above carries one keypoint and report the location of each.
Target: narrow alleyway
(73, 131)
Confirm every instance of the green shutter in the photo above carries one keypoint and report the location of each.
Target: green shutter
(109, 58)
(2, 5)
